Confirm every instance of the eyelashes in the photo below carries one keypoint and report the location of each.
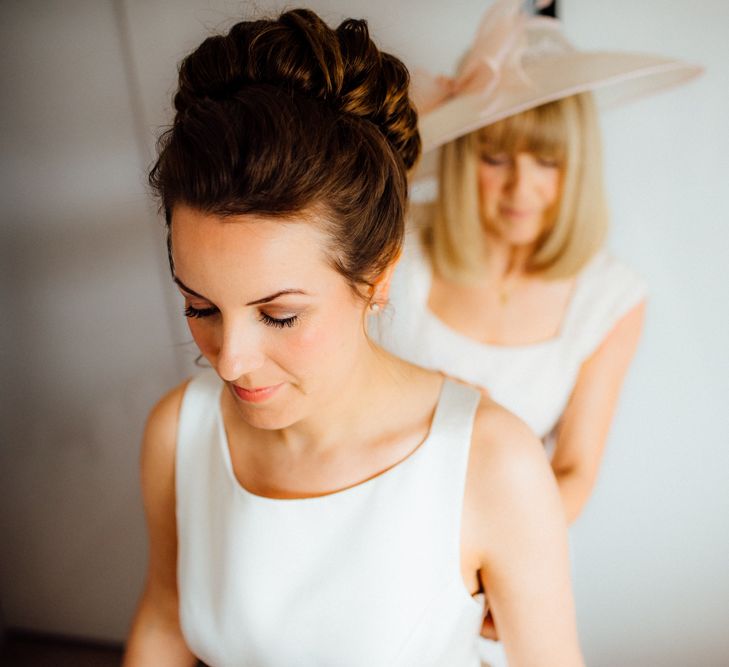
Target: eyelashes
(199, 313)
(279, 324)
(193, 313)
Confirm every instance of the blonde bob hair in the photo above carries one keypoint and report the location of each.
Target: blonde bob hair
(565, 132)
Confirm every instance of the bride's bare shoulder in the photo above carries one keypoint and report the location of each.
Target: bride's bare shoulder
(499, 433)
(508, 467)
(160, 432)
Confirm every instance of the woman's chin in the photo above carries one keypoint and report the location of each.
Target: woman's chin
(267, 413)
(267, 419)
(517, 232)
(521, 235)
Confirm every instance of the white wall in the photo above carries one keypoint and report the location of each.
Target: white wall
(94, 333)
(87, 342)
(653, 547)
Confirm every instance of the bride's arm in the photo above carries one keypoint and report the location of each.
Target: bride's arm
(514, 524)
(155, 639)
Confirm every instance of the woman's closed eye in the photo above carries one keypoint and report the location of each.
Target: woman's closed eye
(547, 161)
(192, 312)
(278, 322)
(495, 159)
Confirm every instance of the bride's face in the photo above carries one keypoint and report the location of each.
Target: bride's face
(278, 323)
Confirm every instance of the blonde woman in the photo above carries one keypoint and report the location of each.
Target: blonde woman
(505, 281)
(507, 284)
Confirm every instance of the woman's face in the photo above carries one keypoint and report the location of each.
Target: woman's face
(280, 326)
(519, 195)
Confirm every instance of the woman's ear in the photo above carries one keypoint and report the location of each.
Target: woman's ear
(381, 284)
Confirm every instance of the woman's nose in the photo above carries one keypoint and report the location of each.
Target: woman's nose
(240, 351)
(521, 174)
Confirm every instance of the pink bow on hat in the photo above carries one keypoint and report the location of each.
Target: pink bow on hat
(519, 61)
(500, 41)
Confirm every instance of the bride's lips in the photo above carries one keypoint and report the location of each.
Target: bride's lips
(256, 395)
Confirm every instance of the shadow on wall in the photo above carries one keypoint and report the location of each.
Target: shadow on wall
(90, 353)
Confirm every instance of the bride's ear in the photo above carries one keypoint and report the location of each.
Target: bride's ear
(381, 285)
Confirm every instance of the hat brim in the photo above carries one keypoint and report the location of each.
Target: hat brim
(615, 78)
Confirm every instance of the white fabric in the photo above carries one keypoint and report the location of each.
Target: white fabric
(533, 381)
(365, 576)
(492, 654)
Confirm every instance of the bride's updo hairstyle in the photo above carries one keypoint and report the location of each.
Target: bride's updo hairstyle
(287, 117)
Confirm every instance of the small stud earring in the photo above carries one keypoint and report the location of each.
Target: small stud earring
(374, 307)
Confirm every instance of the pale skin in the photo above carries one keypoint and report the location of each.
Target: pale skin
(330, 379)
(513, 307)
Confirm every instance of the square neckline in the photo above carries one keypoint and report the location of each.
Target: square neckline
(569, 312)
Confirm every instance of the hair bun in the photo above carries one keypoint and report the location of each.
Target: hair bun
(375, 87)
(342, 68)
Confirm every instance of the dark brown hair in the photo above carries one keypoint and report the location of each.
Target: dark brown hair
(287, 116)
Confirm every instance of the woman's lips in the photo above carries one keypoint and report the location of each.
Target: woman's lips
(516, 213)
(257, 395)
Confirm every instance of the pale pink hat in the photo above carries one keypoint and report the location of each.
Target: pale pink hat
(519, 61)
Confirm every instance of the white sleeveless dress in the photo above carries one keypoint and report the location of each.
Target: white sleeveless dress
(365, 577)
(533, 381)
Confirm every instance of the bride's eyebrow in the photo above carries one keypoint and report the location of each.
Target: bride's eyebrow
(267, 299)
(182, 285)
(257, 302)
